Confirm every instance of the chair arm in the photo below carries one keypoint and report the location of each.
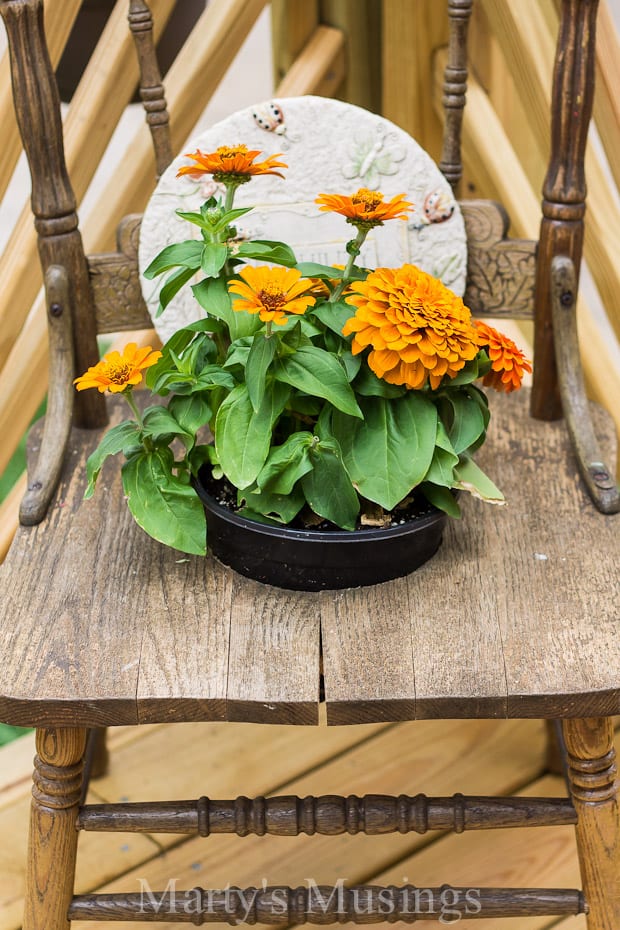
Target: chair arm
(599, 479)
(44, 477)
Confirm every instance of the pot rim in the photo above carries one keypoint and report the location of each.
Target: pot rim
(325, 537)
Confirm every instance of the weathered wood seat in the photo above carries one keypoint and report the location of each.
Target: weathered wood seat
(511, 618)
(516, 616)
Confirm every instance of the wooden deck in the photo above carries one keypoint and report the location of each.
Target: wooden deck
(222, 760)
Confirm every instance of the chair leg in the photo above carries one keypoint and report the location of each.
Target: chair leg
(53, 840)
(555, 761)
(593, 782)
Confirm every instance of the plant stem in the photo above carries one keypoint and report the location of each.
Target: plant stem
(128, 397)
(230, 196)
(353, 248)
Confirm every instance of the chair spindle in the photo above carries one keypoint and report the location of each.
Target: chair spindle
(454, 90)
(151, 87)
(53, 201)
(564, 189)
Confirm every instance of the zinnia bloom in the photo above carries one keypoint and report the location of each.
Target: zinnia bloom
(117, 371)
(231, 163)
(272, 292)
(366, 208)
(507, 361)
(419, 330)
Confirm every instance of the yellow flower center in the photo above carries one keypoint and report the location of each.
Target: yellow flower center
(370, 200)
(118, 372)
(228, 151)
(272, 297)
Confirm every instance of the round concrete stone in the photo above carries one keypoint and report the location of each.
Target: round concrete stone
(329, 147)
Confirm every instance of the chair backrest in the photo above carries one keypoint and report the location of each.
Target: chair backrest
(102, 293)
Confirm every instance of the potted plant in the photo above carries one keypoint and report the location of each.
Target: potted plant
(316, 410)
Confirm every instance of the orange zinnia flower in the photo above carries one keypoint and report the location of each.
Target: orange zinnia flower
(366, 208)
(418, 329)
(272, 292)
(507, 361)
(231, 163)
(118, 371)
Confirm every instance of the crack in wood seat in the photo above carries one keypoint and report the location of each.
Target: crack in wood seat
(510, 618)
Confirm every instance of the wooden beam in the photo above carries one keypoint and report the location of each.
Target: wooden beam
(293, 23)
(59, 18)
(607, 95)
(411, 33)
(319, 69)
(9, 514)
(360, 21)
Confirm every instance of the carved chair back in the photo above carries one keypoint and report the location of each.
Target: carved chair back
(99, 294)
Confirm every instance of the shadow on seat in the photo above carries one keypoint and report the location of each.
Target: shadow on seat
(522, 624)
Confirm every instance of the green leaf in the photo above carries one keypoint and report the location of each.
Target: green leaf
(259, 359)
(268, 251)
(176, 345)
(368, 385)
(441, 469)
(191, 412)
(334, 316)
(441, 498)
(279, 507)
(212, 295)
(196, 218)
(328, 489)
(320, 374)
(466, 375)
(328, 272)
(468, 422)
(230, 217)
(165, 507)
(243, 435)
(286, 464)
(471, 478)
(213, 259)
(162, 428)
(316, 270)
(389, 452)
(185, 253)
(172, 287)
(125, 435)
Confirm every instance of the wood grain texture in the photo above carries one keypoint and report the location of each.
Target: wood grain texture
(593, 779)
(488, 627)
(328, 815)
(44, 476)
(273, 663)
(280, 905)
(319, 68)
(501, 620)
(52, 846)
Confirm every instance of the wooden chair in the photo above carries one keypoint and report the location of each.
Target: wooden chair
(515, 617)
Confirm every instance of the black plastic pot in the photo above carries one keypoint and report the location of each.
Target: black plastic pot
(316, 560)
